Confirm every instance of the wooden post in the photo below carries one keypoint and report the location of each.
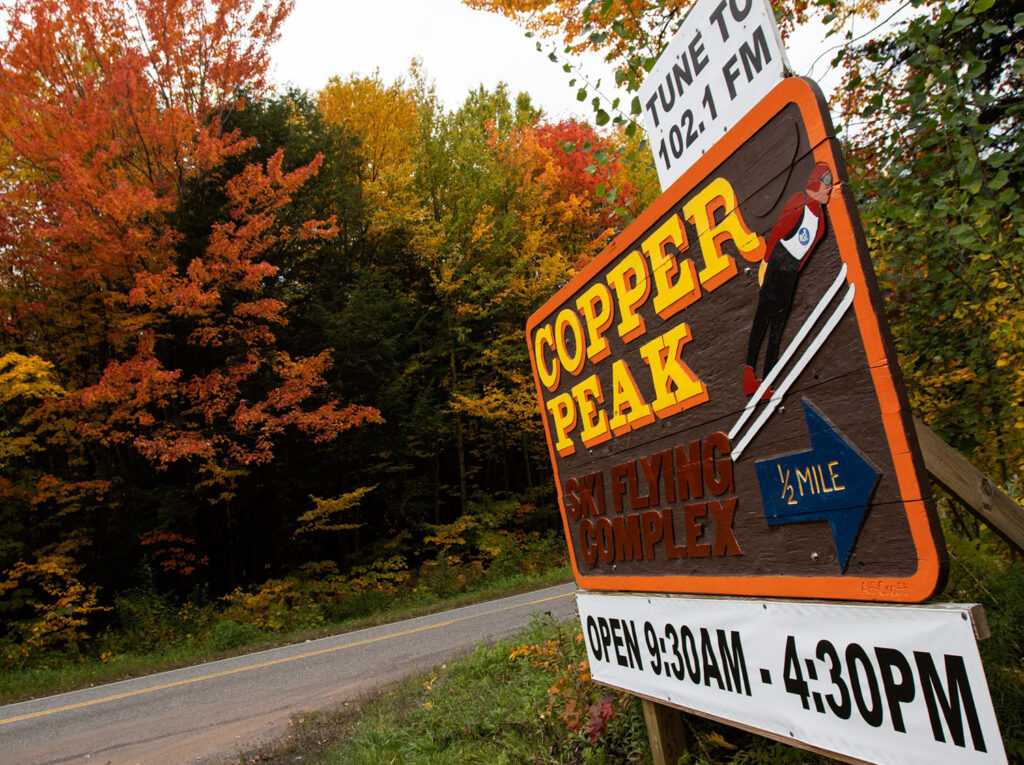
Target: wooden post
(971, 487)
(665, 731)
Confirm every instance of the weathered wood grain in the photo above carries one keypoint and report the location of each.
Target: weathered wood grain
(853, 382)
(665, 731)
(971, 487)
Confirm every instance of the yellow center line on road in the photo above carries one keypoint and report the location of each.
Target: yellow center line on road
(272, 662)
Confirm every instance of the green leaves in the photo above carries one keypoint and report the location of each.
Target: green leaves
(937, 167)
(999, 181)
(975, 70)
(959, 23)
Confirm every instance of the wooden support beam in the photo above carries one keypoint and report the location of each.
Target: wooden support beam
(665, 731)
(965, 482)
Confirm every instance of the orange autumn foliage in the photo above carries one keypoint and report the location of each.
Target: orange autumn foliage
(172, 553)
(569, 148)
(112, 113)
(60, 605)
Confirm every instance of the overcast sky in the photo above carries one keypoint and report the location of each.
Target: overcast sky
(461, 49)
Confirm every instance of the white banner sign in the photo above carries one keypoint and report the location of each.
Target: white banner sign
(884, 684)
(725, 58)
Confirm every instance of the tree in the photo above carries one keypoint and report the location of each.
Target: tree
(515, 215)
(582, 181)
(161, 327)
(386, 120)
(486, 213)
(382, 313)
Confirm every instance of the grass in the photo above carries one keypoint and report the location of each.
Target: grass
(33, 682)
(483, 708)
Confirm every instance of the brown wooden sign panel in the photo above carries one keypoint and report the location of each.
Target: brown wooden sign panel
(722, 405)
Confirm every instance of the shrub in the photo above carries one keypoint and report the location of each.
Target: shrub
(274, 606)
(590, 712)
(144, 621)
(227, 634)
(47, 609)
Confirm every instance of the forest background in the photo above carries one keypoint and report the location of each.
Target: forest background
(262, 363)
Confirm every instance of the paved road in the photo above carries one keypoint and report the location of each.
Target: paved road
(216, 709)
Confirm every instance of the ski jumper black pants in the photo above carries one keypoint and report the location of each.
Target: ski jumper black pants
(774, 302)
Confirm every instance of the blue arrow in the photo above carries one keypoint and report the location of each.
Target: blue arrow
(830, 482)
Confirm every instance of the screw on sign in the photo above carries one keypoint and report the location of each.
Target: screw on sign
(722, 405)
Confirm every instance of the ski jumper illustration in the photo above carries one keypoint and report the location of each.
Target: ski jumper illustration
(794, 236)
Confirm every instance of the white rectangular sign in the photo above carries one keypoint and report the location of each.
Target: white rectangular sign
(878, 683)
(725, 58)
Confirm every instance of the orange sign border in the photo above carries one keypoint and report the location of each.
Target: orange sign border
(931, 570)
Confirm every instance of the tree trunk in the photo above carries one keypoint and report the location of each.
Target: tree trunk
(526, 461)
(437, 485)
(463, 487)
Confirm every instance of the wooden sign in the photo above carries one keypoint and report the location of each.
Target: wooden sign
(722, 405)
